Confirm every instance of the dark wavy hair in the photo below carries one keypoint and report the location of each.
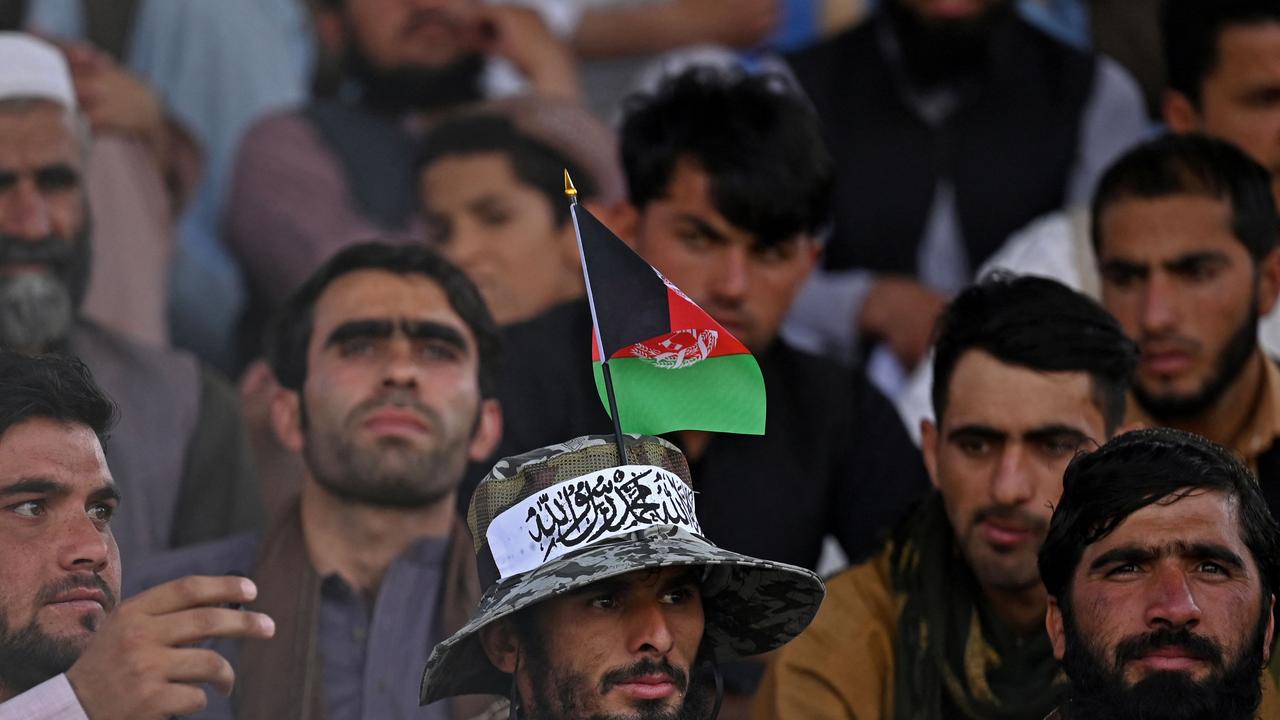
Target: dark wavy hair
(55, 387)
(1191, 31)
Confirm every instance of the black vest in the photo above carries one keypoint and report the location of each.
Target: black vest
(1008, 148)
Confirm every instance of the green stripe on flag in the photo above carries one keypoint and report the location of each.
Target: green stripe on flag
(722, 394)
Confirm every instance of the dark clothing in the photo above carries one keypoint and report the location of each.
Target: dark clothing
(835, 458)
(1008, 147)
(178, 452)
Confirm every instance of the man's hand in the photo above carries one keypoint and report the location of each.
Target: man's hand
(519, 35)
(138, 665)
(901, 312)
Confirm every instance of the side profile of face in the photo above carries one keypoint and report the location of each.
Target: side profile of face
(1167, 614)
(60, 567)
(42, 224)
(746, 285)
(502, 233)
(620, 649)
(1240, 97)
(997, 458)
(1187, 291)
(391, 410)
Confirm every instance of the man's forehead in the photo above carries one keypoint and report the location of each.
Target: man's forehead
(1182, 520)
(384, 295)
(43, 448)
(1015, 399)
(1166, 228)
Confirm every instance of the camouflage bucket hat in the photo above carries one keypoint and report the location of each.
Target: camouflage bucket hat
(563, 517)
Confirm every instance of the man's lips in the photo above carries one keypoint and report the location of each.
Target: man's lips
(1166, 362)
(1170, 658)
(395, 421)
(1002, 533)
(648, 687)
(80, 599)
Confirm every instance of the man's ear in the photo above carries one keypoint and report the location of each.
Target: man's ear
(501, 645)
(1053, 622)
(1268, 281)
(286, 418)
(929, 447)
(1179, 112)
(330, 28)
(488, 431)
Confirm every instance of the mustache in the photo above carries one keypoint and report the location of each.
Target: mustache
(48, 250)
(647, 667)
(1032, 522)
(91, 581)
(1197, 646)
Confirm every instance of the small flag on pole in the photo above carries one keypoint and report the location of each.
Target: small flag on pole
(670, 366)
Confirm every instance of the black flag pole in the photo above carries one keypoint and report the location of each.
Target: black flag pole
(572, 193)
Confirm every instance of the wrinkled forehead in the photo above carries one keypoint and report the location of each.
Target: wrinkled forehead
(1184, 524)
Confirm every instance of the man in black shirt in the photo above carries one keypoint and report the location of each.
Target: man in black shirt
(729, 185)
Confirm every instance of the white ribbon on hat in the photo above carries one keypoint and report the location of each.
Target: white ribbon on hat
(574, 514)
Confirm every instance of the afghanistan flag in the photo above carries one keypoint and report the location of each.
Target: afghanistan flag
(672, 366)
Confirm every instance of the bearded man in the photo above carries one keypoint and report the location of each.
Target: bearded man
(386, 361)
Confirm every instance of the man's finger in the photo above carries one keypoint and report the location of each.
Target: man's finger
(200, 666)
(195, 625)
(194, 591)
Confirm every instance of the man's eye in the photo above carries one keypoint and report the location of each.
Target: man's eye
(30, 508)
(355, 347)
(1122, 277)
(438, 351)
(101, 513)
(974, 447)
(1122, 570)
(679, 596)
(604, 602)
(57, 178)
(1059, 447)
(494, 217)
(1213, 568)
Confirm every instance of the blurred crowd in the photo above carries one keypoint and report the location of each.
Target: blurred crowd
(298, 413)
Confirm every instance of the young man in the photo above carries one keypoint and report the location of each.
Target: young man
(387, 359)
(67, 650)
(180, 448)
(492, 193)
(1185, 230)
(1162, 563)
(604, 599)
(948, 621)
(732, 220)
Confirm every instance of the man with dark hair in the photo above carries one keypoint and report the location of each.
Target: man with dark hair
(621, 609)
(311, 180)
(953, 124)
(948, 620)
(492, 192)
(387, 361)
(728, 180)
(67, 652)
(180, 448)
(1162, 564)
(1186, 229)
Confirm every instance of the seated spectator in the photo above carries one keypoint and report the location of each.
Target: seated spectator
(386, 356)
(1217, 56)
(624, 619)
(1185, 230)
(493, 198)
(951, 126)
(948, 621)
(1162, 563)
(311, 180)
(180, 448)
(732, 221)
(67, 651)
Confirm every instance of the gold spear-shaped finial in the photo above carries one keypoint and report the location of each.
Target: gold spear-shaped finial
(569, 190)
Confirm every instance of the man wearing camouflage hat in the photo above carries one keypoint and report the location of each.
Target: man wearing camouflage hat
(604, 599)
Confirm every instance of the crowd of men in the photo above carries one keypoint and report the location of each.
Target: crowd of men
(1021, 457)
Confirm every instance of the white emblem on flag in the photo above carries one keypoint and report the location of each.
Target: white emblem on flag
(678, 350)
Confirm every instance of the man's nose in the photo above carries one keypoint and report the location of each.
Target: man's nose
(24, 211)
(649, 629)
(401, 368)
(83, 545)
(1171, 603)
(732, 278)
(1011, 484)
(1159, 306)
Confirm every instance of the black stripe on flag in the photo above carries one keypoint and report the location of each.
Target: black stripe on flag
(630, 298)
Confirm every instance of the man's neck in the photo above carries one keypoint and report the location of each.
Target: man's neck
(358, 541)
(1022, 611)
(1224, 422)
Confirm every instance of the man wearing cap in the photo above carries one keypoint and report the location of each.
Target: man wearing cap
(386, 364)
(180, 447)
(604, 599)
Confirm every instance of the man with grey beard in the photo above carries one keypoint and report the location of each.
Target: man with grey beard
(180, 448)
(386, 360)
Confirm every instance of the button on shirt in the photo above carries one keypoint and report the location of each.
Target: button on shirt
(372, 657)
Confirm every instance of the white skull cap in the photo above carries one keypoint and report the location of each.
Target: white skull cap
(33, 68)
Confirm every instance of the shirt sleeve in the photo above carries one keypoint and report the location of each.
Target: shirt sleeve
(52, 699)
(1114, 120)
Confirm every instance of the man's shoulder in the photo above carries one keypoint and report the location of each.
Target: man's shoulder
(864, 589)
(286, 125)
(233, 555)
(114, 358)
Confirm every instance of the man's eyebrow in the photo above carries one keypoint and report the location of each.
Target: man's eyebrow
(1048, 432)
(986, 432)
(1195, 259)
(1195, 550)
(108, 492)
(354, 329)
(702, 226)
(34, 486)
(432, 330)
